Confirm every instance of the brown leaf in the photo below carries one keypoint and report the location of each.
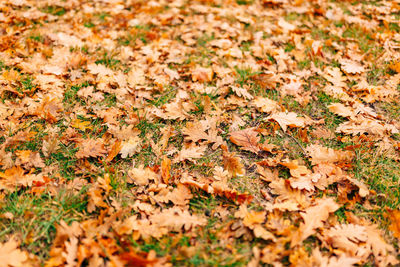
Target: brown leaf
(248, 139)
(202, 74)
(394, 217)
(320, 154)
(165, 169)
(232, 164)
(90, 148)
(11, 255)
(288, 119)
(314, 217)
(131, 258)
(115, 149)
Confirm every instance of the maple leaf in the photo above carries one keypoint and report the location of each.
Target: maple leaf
(288, 119)
(90, 148)
(248, 139)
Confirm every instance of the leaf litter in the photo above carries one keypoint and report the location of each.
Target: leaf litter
(141, 109)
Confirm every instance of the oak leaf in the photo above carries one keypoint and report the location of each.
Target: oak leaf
(346, 236)
(340, 109)
(351, 67)
(241, 92)
(190, 153)
(290, 119)
(232, 164)
(114, 151)
(11, 255)
(320, 154)
(248, 139)
(165, 169)
(130, 146)
(314, 217)
(90, 148)
(394, 217)
(175, 219)
(16, 177)
(202, 74)
(264, 104)
(141, 175)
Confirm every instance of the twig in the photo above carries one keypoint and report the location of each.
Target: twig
(297, 142)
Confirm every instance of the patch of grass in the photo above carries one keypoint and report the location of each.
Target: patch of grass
(243, 75)
(204, 39)
(289, 47)
(35, 217)
(164, 97)
(382, 174)
(65, 158)
(37, 37)
(89, 24)
(244, 2)
(70, 96)
(109, 60)
(54, 10)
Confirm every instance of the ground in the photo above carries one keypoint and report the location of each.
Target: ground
(199, 133)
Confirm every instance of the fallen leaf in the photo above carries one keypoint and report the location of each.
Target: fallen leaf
(90, 148)
(290, 119)
(248, 139)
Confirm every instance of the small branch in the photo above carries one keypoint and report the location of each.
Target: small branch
(297, 142)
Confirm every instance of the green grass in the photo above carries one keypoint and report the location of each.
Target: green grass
(35, 213)
(35, 216)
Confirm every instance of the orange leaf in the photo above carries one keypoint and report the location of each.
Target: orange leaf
(232, 164)
(248, 139)
(394, 217)
(165, 169)
(115, 149)
(90, 148)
